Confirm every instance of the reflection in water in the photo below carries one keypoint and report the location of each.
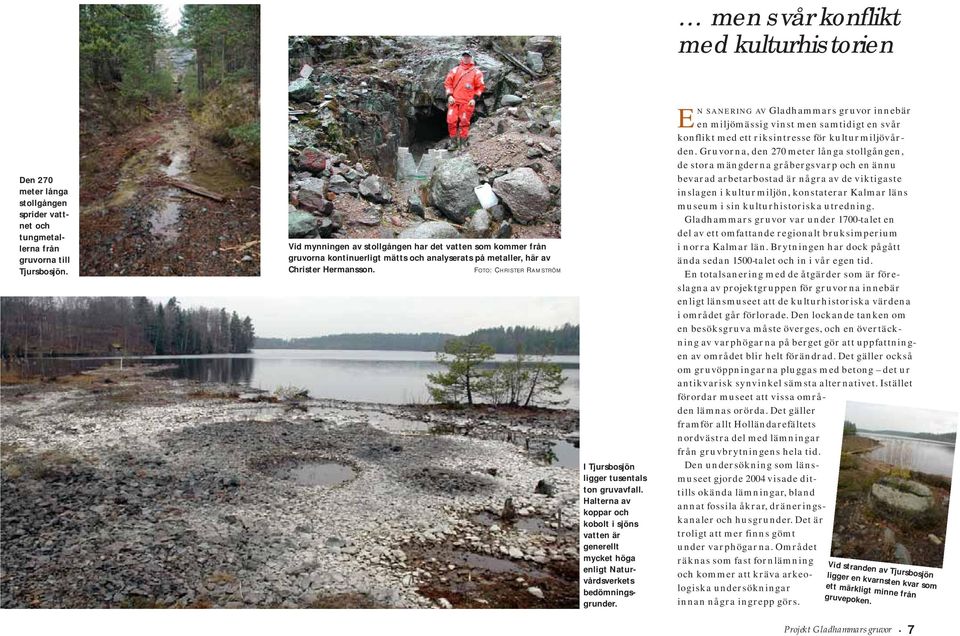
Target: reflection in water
(390, 377)
(361, 376)
(165, 216)
(913, 454)
(51, 367)
(566, 454)
(222, 370)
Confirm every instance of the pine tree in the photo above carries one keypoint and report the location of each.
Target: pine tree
(465, 374)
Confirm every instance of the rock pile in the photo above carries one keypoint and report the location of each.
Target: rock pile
(318, 181)
(363, 110)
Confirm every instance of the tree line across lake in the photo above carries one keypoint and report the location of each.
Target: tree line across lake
(41, 326)
(563, 340)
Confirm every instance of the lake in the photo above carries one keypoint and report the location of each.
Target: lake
(927, 457)
(389, 377)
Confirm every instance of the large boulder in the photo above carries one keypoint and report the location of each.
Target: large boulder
(897, 497)
(312, 194)
(301, 90)
(451, 188)
(431, 230)
(524, 193)
(301, 224)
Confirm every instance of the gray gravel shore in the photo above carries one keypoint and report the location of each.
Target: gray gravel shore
(124, 489)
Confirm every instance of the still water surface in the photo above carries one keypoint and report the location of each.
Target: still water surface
(920, 455)
(389, 377)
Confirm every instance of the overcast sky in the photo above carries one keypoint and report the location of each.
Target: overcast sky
(880, 417)
(303, 317)
(172, 15)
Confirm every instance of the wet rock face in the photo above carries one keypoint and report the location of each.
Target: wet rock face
(371, 125)
(894, 496)
(429, 72)
(451, 188)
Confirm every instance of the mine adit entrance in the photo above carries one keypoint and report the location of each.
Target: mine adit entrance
(426, 127)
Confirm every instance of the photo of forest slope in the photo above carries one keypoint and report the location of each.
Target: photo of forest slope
(169, 140)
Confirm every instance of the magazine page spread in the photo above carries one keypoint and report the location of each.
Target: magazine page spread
(374, 402)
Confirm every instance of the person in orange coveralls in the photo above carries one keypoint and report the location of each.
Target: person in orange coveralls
(464, 85)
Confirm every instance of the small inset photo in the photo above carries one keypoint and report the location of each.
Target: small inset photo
(169, 139)
(424, 137)
(893, 488)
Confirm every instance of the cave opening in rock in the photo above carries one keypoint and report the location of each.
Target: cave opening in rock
(427, 127)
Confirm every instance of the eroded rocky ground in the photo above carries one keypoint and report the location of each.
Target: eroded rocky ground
(136, 221)
(356, 102)
(123, 489)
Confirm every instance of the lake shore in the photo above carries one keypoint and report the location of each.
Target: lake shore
(124, 489)
(866, 528)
